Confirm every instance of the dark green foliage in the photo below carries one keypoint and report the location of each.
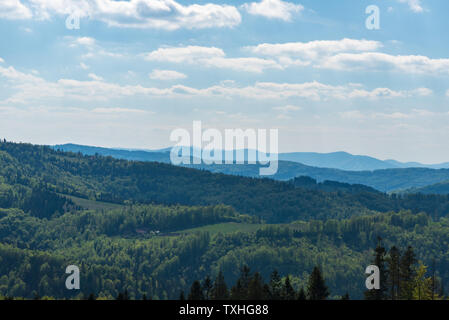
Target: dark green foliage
(219, 289)
(316, 288)
(196, 292)
(140, 245)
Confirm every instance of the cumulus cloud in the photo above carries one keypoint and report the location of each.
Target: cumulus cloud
(84, 41)
(273, 9)
(166, 75)
(157, 14)
(414, 5)
(14, 10)
(348, 55)
(383, 61)
(94, 77)
(314, 49)
(27, 88)
(1, 60)
(189, 54)
(211, 57)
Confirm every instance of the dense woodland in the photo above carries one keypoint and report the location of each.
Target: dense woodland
(153, 230)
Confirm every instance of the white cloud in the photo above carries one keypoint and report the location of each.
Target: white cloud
(94, 77)
(14, 10)
(314, 49)
(27, 88)
(166, 75)
(117, 110)
(210, 57)
(382, 61)
(85, 41)
(189, 54)
(256, 65)
(93, 48)
(414, 5)
(348, 55)
(287, 108)
(273, 9)
(395, 115)
(84, 66)
(157, 14)
(2, 61)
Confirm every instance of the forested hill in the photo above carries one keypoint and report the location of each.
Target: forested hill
(385, 180)
(43, 169)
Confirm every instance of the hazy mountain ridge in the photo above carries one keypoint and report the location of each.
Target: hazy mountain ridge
(336, 160)
(385, 180)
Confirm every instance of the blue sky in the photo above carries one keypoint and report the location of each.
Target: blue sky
(136, 70)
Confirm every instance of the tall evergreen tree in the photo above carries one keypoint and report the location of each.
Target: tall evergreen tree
(379, 260)
(256, 288)
(196, 292)
(407, 274)
(220, 290)
(288, 293)
(240, 290)
(275, 286)
(316, 288)
(207, 288)
(394, 273)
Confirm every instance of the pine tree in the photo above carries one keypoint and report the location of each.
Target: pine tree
(207, 288)
(394, 273)
(256, 288)
(275, 286)
(220, 290)
(407, 274)
(316, 288)
(196, 292)
(379, 261)
(240, 290)
(288, 293)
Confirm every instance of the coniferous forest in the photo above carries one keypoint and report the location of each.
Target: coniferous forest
(148, 230)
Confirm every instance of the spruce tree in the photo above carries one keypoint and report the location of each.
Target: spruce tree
(220, 290)
(407, 274)
(288, 293)
(196, 292)
(394, 273)
(207, 288)
(256, 288)
(379, 261)
(316, 288)
(275, 286)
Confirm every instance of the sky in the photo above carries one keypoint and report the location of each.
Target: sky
(133, 71)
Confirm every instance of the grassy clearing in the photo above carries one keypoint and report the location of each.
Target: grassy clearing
(92, 204)
(227, 227)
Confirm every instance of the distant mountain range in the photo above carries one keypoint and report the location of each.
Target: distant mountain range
(399, 178)
(334, 160)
